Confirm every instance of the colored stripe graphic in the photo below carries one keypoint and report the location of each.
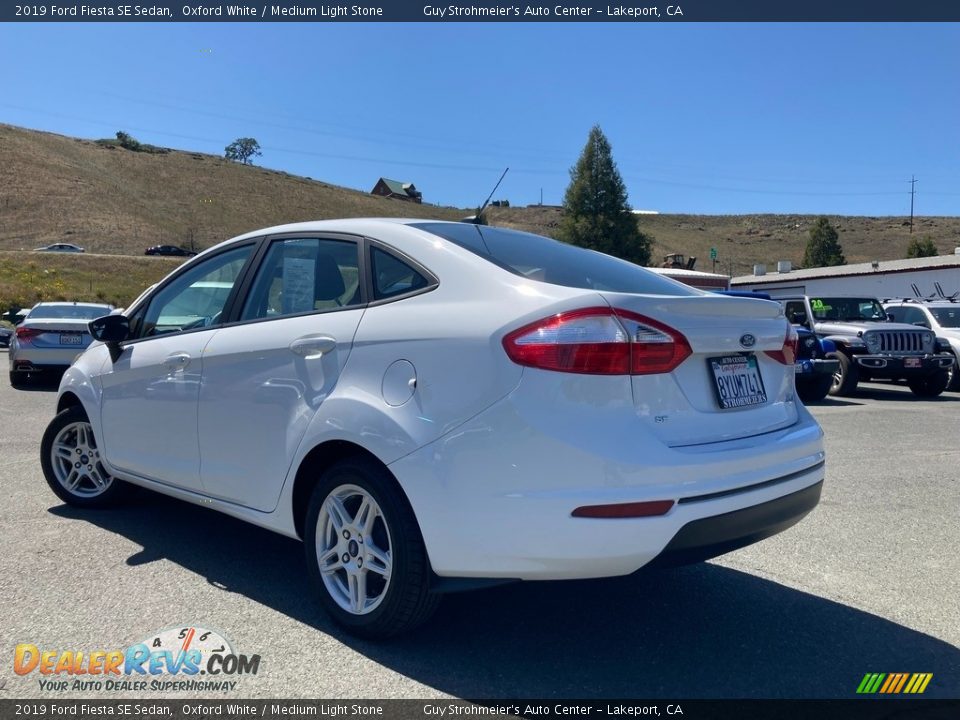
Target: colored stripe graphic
(894, 683)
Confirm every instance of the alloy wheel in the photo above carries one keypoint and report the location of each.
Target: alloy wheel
(75, 460)
(354, 549)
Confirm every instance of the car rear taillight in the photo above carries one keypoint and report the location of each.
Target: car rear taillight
(26, 334)
(598, 341)
(788, 353)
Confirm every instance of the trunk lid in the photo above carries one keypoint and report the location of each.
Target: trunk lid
(729, 338)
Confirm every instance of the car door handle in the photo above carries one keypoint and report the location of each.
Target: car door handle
(177, 361)
(313, 346)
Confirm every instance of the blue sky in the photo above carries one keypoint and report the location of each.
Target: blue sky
(703, 118)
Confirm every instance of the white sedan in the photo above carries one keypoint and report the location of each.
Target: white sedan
(432, 406)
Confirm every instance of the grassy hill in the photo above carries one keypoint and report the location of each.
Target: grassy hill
(111, 200)
(115, 201)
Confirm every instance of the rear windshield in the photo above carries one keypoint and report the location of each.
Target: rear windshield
(540, 258)
(70, 312)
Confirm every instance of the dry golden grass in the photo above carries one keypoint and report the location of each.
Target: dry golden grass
(27, 278)
(117, 202)
(110, 200)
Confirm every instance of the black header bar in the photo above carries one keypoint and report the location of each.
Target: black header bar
(438, 12)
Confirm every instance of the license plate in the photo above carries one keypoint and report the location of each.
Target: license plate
(737, 381)
(911, 362)
(71, 339)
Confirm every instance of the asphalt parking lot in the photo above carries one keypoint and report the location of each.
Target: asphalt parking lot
(869, 582)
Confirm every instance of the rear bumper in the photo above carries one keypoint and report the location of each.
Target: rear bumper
(904, 366)
(494, 498)
(816, 368)
(712, 536)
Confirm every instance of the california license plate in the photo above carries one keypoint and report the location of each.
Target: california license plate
(71, 339)
(737, 381)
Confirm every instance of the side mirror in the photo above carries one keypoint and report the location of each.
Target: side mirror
(890, 317)
(110, 329)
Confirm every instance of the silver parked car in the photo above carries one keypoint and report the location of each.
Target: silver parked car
(50, 337)
(60, 247)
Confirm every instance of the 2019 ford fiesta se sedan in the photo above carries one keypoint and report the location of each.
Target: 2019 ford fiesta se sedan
(431, 406)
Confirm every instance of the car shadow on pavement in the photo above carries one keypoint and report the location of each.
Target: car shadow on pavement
(703, 631)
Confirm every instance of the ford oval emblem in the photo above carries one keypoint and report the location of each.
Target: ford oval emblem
(747, 340)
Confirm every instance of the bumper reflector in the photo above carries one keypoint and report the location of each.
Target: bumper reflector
(625, 510)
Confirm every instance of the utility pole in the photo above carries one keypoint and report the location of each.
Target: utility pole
(913, 182)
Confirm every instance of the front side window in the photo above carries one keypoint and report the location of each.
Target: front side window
(197, 298)
(302, 276)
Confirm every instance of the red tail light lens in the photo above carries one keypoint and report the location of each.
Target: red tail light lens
(788, 353)
(26, 334)
(652, 508)
(598, 341)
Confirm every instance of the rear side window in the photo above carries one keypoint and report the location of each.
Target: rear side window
(540, 258)
(302, 276)
(393, 277)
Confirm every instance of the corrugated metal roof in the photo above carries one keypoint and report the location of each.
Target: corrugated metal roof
(884, 266)
(683, 272)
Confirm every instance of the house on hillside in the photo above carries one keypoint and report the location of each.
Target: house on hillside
(399, 190)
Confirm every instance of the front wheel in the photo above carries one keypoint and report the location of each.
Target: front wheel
(71, 462)
(929, 385)
(846, 377)
(365, 553)
(953, 373)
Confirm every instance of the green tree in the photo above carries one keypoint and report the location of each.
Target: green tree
(823, 248)
(922, 248)
(595, 210)
(242, 149)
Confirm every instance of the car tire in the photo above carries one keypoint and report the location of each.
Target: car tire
(846, 377)
(953, 375)
(929, 385)
(19, 380)
(81, 481)
(815, 389)
(369, 566)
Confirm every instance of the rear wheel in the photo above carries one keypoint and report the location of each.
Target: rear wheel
(814, 389)
(929, 385)
(71, 462)
(19, 380)
(365, 553)
(846, 377)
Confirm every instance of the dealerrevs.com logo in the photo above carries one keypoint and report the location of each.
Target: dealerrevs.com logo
(183, 658)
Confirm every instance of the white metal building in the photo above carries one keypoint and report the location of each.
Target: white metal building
(883, 279)
(696, 278)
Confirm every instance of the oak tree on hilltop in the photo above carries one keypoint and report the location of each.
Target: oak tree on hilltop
(595, 210)
(242, 149)
(823, 247)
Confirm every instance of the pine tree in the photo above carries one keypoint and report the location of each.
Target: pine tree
(595, 210)
(823, 248)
